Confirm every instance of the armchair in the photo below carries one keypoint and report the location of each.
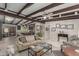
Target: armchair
(21, 40)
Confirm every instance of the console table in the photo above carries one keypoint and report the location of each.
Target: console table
(62, 35)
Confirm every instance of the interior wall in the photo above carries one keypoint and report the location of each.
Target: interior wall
(23, 29)
(40, 27)
(53, 35)
(0, 30)
(8, 26)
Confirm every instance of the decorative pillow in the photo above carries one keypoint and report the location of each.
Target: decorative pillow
(30, 38)
(23, 39)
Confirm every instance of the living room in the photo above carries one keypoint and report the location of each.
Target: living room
(39, 29)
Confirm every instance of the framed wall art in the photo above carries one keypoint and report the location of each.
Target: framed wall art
(58, 25)
(70, 26)
(63, 26)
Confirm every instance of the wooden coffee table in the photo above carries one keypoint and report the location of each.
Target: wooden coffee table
(70, 52)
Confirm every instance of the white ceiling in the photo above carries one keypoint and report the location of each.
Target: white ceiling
(15, 6)
(34, 8)
(55, 8)
(2, 5)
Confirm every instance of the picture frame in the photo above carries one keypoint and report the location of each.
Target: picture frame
(63, 26)
(58, 25)
(70, 26)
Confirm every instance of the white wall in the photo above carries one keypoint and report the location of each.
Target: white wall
(23, 29)
(50, 35)
(7, 26)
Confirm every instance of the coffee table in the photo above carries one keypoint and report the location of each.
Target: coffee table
(39, 49)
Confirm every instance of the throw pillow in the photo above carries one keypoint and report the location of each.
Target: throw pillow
(23, 39)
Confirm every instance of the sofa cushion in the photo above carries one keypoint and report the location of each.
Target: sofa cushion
(23, 39)
(31, 42)
(30, 38)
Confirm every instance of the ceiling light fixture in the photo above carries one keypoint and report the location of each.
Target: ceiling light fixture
(44, 17)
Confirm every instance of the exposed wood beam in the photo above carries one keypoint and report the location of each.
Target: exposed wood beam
(67, 9)
(19, 22)
(26, 6)
(16, 16)
(33, 18)
(13, 20)
(4, 20)
(5, 5)
(29, 23)
(8, 23)
(25, 22)
(36, 17)
(12, 11)
(4, 9)
(45, 8)
(63, 18)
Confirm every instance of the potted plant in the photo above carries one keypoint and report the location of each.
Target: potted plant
(39, 36)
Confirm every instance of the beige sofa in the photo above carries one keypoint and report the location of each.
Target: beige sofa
(23, 42)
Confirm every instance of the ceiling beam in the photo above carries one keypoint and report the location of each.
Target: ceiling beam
(19, 22)
(16, 16)
(4, 9)
(63, 18)
(4, 20)
(36, 17)
(45, 8)
(29, 23)
(8, 23)
(12, 21)
(26, 6)
(5, 5)
(66, 9)
(25, 22)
